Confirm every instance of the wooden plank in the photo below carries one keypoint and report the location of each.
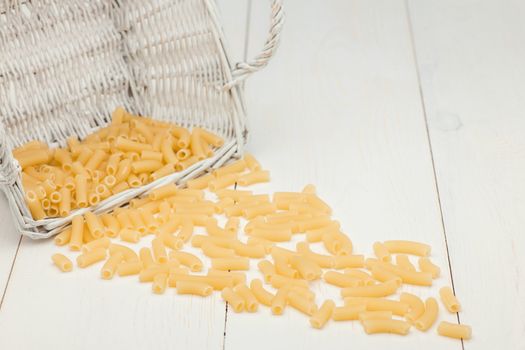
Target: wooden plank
(9, 240)
(81, 311)
(471, 58)
(234, 13)
(339, 107)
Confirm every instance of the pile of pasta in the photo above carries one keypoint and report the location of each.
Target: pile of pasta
(130, 152)
(171, 215)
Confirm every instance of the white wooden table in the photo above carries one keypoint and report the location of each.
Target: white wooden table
(409, 116)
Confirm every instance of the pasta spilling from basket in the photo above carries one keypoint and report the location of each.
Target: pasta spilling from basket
(171, 214)
(132, 151)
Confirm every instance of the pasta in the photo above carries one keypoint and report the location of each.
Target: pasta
(35, 206)
(77, 233)
(317, 202)
(213, 251)
(381, 251)
(129, 268)
(403, 262)
(342, 280)
(160, 282)
(375, 315)
(301, 303)
(263, 296)
(163, 192)
(279, 281)
(427, 319)
(63, 237)
(129, 235)
(254, 177)
(346, 261)
(383, 275)
(128, 253)
(282, 267)
(92, 257)
(409, 277)
(234, 167)
(377, 290)
(279, 301)
(303, 291)
(222, 182)
(457, 331)
(251, 162)
(426, 265)
(268, 245)
(173, 242)
(187, 259)
(97, 243)
(416, 306)
(407, 247)
(322, 260)
(256, 251)
(194, 288)
(129, 154)
(321, 316)
(148, 274)
(94, 224)
(232, 225)
(237, 277)
(62, 262)
(258, 209)
(380, 304)
(347, 313)
(386, 326)
(232, 298)
(159, 251)
(216, 282)
(109, 268)
(273, 235)
(81, 191)
(449, 300)
(171, 214)
(200, 182)
(230, 263)
(307, 269)
(267, 269)
(250, 302)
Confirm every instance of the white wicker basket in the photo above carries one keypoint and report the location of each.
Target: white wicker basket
(66, 64)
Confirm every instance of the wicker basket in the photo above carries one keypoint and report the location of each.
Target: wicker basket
(66, 64)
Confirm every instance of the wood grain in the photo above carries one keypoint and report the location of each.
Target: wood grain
(9, 240)
(79, 310)
(339, 107)
(470, 57)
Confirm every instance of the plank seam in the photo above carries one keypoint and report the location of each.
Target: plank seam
(425, 117)
(247, 31)
(10, 272)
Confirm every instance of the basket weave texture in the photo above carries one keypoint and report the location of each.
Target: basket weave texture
(65, 65)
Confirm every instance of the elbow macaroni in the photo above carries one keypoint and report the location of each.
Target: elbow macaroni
(169, 215)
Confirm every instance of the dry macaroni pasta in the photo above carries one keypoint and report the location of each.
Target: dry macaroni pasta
(170, 215)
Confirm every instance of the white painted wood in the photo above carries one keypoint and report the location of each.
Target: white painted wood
(234, 13)
(339, 107)
(79, 310)
(44, 308)
(9, 239)
(471, 58)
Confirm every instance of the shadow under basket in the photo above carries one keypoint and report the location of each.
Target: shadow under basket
(69, 63)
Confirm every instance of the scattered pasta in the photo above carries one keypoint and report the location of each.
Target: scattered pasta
(170, 214)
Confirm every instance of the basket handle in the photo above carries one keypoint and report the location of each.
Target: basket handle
(244, 69)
